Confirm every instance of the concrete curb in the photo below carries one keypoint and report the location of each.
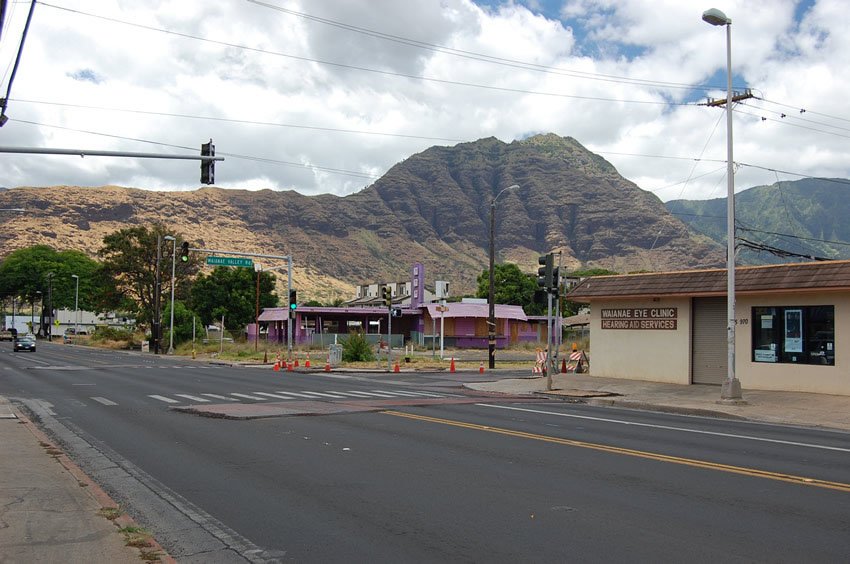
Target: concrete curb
(106, 502)
(649, 406)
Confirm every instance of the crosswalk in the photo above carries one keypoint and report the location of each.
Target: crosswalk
(283, 395)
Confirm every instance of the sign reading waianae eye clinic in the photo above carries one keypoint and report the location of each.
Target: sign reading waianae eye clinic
(639, 318)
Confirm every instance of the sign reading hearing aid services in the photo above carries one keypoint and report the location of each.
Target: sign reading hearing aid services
(639, 318)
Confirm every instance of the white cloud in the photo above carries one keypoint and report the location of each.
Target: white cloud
(606, 50)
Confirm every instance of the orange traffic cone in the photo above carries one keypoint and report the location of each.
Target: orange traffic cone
(564, 365)
(296, 360)
(396, 367)
(481, 368)
(307, 362)
(452, 365)
(328, 364)
(276, 365)
(289, 366)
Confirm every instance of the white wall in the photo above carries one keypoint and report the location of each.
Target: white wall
(656, 355)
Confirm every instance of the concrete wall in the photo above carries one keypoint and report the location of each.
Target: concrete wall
(794, 377)
(656, 355)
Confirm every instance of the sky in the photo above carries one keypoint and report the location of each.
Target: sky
(325, 96)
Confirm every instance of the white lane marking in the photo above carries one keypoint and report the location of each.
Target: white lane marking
(104, 401)
(370, 394)
(275, 396)
(193, 398)
(667, 427)
(338, 376)
(325, 395)
(426, 394)
(311, 395)
(216, 396)
(304, 395)
(247, 396)
(165, 399)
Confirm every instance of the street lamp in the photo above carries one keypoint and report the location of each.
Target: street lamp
(48, 331)
(173, 259)
(731, 389)
(76, 307)
(491, 321)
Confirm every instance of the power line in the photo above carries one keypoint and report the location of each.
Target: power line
(813, 239)
(239, 121)
(514, 63)
(791, 117)
(794, 124)
(804, 110)
(371, 70)
(233, 155)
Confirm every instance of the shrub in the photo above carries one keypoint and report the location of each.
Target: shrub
(356, 348)
(112, 334)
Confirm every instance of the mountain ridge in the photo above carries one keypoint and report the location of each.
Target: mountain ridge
(432, 207)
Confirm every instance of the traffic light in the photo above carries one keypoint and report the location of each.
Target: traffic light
(556, 280)
(293, 303)
(396, 312)
(184, 252)
(208, 167)
(544, 273)
(388, 296)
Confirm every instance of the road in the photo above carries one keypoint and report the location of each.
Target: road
(463, 478)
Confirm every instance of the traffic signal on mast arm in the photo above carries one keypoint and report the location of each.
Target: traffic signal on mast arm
(184, 252)
(208, 166)
(388, 296)
(544, 273)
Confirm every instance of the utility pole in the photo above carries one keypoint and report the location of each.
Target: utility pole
(49, 330)
(157, 321)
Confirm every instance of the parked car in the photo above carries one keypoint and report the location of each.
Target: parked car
(25, 343)
(8, 334)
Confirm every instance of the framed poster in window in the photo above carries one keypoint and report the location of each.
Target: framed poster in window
(793, 330)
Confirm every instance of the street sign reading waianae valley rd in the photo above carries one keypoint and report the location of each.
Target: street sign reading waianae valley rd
(230, 261)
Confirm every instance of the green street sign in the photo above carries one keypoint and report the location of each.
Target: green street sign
(230, 261)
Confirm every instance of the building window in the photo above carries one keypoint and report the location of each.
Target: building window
(794, 334)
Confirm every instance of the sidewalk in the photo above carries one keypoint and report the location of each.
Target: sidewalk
(791, 408)
(50, 511)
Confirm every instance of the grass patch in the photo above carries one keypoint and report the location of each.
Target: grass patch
(111, 513)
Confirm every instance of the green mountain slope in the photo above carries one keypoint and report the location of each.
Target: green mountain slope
(806, 217)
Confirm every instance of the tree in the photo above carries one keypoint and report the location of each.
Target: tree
(231, 292)
(182, 322)
(511, 286)
(129, 259)
(42, 275)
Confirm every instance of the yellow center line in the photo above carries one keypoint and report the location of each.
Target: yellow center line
(802, 480)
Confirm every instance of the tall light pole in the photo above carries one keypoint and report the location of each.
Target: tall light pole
(731, 389)
(76, 307)
(491, 321)
(48, 332)
(173, 259)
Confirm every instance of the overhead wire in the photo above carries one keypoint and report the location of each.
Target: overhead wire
(219, 153)
(372, 70)
(514, 63)
(239, 121)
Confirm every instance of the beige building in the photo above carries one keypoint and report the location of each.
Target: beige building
(792, 326)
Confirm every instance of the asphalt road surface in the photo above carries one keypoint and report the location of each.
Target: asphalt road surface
(464, 478)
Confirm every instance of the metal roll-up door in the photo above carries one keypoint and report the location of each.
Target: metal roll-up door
(708, 341)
